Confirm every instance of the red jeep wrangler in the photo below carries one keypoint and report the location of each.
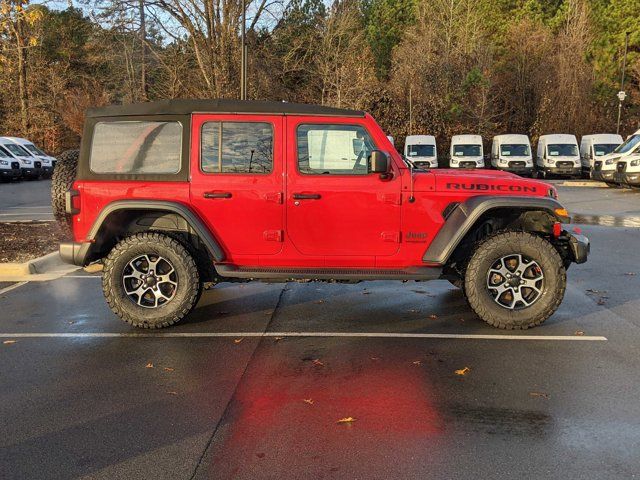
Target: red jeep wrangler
(173, 194)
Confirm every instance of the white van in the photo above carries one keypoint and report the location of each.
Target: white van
(594, 146)
(512, 153)
(421, 150)
(48, 162)
(605, 167)
(30, 166)
(466, 152)
(558, 154)
(9, 166)
(627, 171)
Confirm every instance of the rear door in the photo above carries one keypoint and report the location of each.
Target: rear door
(334, 207)
(237, 181)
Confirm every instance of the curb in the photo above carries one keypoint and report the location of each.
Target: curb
(47, 264)
(587, 184)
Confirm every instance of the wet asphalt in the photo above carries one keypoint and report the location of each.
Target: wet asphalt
(218, 399)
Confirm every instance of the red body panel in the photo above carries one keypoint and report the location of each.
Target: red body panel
(358, 221)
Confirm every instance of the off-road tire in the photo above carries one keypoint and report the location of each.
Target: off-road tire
(61, 181)
(490, 251)
(612, 185)
(187, 292)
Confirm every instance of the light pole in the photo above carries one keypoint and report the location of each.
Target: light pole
(621, 94)
(243, 54)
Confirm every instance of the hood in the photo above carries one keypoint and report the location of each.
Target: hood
(481, 182)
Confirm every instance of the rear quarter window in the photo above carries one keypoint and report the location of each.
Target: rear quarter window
(136, 147)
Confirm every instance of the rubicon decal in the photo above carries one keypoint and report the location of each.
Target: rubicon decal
(485, 187)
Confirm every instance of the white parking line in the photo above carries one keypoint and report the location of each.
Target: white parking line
(452, 336)
(11, 287)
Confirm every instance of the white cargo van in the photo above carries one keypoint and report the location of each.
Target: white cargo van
(48, 162)
(594, 146)
(512, 153)
(605, 167)
(558, 154)
(421, 150)
(9, 166)
(30, 166)
(627, 171)
(466, 152)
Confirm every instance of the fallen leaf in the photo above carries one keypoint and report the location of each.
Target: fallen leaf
(318, 363)
(149, 365)
(168, 369)
(539, 394)
(579, 333)
(433, 316)
(463, 371)
(417, 362)
(260, 455)
(602, 300)
(346, 420)
(631, 274)
(277, 339)
(238, 340)
(366, 293)
(9, 342)
(375, 358)
(413, 310)
(319, 301)
(308, 400)
(94, 268)
(172, 392)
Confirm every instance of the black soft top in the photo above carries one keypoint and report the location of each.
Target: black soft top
(189, 106)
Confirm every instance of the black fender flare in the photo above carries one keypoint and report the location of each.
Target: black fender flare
(198, 226)
(462, 218)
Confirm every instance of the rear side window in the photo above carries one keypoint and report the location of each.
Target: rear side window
(237, 147)
(136, 147)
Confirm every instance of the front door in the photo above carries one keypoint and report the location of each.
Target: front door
(237, 181)
(334, 206)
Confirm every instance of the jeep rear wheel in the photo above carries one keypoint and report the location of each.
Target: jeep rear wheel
(515, 280)
(150, 280)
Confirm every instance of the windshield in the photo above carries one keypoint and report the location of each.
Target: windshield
(17, 150)
(467, 150)
(629, 144)
(421, 151)
(515, 150)
(604, 148)
(562, 150)
(35, 150)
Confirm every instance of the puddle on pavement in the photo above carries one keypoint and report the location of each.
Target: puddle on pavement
(606, 220)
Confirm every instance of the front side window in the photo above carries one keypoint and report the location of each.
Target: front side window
(237, 147)
(334, 149)
(4, 153)
(17, 150)
(467, 150)
(136, 147)
(515, 150)
(421, 151)
(562, 150)
(35, 150)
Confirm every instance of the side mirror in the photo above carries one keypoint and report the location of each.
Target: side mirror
(379, 162)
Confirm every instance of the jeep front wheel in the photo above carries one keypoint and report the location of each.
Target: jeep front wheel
(515, 280)
(150, 280)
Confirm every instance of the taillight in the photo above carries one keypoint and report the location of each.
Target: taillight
(72, 202)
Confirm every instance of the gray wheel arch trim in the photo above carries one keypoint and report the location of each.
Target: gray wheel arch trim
(464, 216)
(185, 212)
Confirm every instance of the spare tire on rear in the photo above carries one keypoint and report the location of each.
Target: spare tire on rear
(62, 180)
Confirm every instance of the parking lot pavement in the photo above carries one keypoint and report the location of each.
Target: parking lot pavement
(253, 385)
(26, 200)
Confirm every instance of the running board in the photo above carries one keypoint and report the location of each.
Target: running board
(288, 273)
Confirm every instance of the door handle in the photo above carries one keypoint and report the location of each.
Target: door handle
(216, 194)
(306, 196)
